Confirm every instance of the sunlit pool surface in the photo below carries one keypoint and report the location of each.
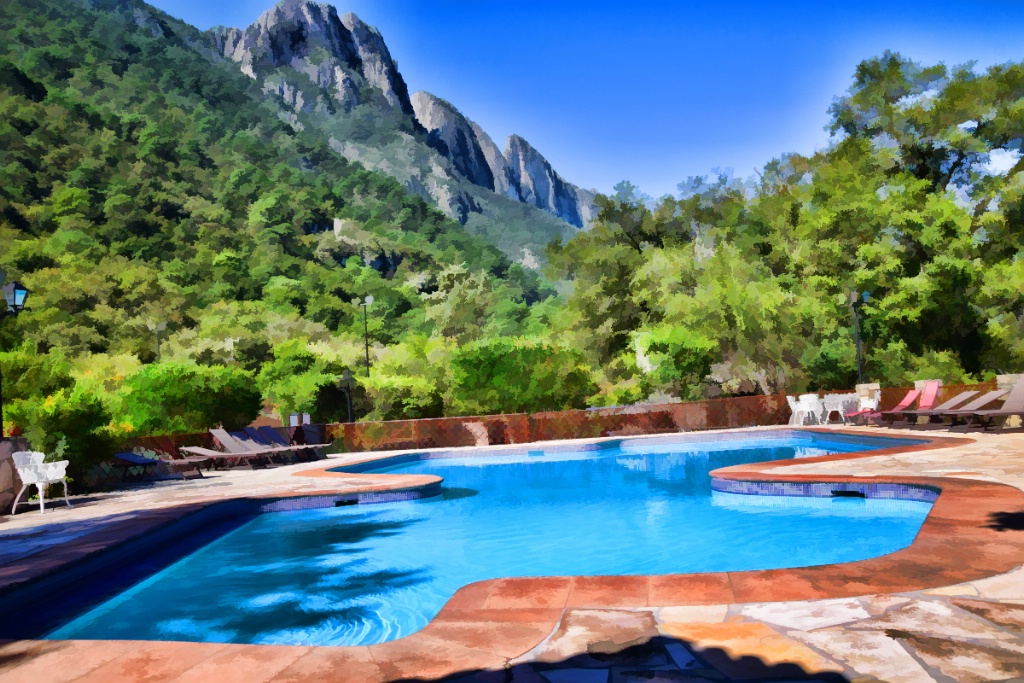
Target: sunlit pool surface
(366, 574)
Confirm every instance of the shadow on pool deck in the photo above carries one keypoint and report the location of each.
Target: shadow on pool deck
(1007, 521)
(660, 659)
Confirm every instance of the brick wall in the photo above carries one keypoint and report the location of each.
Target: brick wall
(451, 432)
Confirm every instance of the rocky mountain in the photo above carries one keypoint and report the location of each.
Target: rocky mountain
(336, 72)
(454, 136)
(537, 183)
(341, 55)
(521, 173)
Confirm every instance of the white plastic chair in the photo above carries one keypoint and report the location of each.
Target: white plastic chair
(794, 407)
(839, 403)
(812, 405)
(32, 470)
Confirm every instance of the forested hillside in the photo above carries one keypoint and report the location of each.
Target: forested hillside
(145, 184)
(919, 202)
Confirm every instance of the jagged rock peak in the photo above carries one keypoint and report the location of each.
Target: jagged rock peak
(537, 183)
(500, 170)
(455, 137)
(340, 54)
(378, 67)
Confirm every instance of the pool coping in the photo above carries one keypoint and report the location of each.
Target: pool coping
(486, 623)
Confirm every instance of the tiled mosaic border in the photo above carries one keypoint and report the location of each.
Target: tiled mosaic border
(925, 494)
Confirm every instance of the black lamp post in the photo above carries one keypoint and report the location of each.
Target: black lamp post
(855, 302)
(366, 330)
(12, 304)
(345, 383)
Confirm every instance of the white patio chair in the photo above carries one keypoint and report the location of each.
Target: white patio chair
(812, 405)
(852, 403)
(862, 403)
(795, 416)
(838, 403)
(32, 470)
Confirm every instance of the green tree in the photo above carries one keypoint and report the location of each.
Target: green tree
(172, 397)
(515, 375)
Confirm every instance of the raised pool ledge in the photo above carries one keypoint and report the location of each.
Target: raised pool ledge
(925, 494)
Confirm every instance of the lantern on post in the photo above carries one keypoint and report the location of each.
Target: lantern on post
(14, 295)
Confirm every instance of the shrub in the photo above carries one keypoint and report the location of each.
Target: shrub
(515, 375)
(75, 417)
(165, 398)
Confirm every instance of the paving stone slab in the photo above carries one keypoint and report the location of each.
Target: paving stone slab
(967, 662)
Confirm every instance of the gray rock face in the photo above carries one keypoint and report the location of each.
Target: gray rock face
(348, 66)
(455, 137)
(379, 70)
(500, 170)
(521, 173)
(342, 55)
(537, 183)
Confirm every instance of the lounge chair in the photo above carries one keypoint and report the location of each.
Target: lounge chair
(974, 406)
(867, 405)
(1013, 405)
(910, 416)
(929, 395)
(235, 452)
(134, 466)
(32, 470)
(256, 437)
(271, 435)
(905, 404)
(308, 431)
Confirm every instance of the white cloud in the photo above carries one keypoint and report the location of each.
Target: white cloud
(1000, 161)
(922, 98)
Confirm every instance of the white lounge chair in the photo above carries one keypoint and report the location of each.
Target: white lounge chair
(32, 470)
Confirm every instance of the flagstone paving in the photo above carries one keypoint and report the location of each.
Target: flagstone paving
(692, 628)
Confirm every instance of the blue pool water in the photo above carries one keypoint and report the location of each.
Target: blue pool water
(366, 574)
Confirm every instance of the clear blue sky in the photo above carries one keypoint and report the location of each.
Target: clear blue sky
(654, 92)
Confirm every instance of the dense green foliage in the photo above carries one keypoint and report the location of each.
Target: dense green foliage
(518, 376)
(919, 201)
(143, 182)
(185, 397)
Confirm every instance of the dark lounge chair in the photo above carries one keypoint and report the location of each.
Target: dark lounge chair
(974, 406)
(1013, 405)
(235, 452)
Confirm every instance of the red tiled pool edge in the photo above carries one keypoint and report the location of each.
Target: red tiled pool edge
(486, 623)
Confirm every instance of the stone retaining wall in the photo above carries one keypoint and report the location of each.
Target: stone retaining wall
(9, 481)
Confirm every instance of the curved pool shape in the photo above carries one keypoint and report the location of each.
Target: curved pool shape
(366, 574)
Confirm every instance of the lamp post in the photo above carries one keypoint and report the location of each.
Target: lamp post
(157, 328)
(345, 382)
(13, 303)
(855, 301)
(366, 330)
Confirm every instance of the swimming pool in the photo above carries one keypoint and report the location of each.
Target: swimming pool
(364, 574)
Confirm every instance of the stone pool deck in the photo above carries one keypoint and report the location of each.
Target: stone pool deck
(948, 608)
